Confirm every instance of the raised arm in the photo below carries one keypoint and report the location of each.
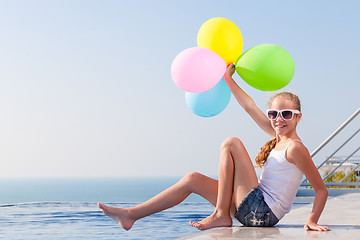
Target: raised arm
(247, 102)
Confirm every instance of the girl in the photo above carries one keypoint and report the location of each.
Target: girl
(238, 193)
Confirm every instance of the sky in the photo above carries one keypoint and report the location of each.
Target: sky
(86, 89)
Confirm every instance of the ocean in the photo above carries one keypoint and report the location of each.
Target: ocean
(65, 208)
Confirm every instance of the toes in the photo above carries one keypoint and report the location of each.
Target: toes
(194, 224)
(102, 206)
(199, 227)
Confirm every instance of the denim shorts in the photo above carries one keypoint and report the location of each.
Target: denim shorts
(254, 212)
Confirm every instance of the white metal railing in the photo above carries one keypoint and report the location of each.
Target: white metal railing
(341, 182)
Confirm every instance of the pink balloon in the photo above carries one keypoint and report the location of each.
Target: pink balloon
(197, 69)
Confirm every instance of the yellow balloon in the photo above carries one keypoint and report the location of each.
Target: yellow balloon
(221, 36)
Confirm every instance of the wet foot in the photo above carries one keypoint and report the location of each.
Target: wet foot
(213, 221)
(122, 216)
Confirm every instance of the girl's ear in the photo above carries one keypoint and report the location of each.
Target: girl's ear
(298, 117)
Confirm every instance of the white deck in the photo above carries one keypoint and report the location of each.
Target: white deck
(341, 215)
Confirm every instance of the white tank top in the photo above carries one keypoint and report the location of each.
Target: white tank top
(279, 182)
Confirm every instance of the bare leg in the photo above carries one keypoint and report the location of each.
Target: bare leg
(191, 183)
(236, 178)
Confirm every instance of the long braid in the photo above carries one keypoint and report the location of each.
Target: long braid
(264, 153)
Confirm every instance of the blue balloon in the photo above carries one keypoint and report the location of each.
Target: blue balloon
(211, 102)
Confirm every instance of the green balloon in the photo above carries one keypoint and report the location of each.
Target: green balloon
(266, 67)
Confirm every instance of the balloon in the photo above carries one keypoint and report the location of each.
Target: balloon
(197, 69)
(211, 102)
(221, 36)
(266, 67)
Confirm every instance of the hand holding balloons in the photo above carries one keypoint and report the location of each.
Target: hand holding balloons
(230, 69)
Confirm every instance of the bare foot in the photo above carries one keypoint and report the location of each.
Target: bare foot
(120, 215)
(212, 221)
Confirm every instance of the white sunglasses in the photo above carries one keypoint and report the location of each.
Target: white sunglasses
(286, 114)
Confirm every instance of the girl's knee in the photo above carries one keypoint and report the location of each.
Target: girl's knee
(191, 180)
(191, 177)
(231, 143)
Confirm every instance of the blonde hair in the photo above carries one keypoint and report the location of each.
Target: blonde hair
(265, 150)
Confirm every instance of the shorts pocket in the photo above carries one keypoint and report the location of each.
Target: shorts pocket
(257, 219)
